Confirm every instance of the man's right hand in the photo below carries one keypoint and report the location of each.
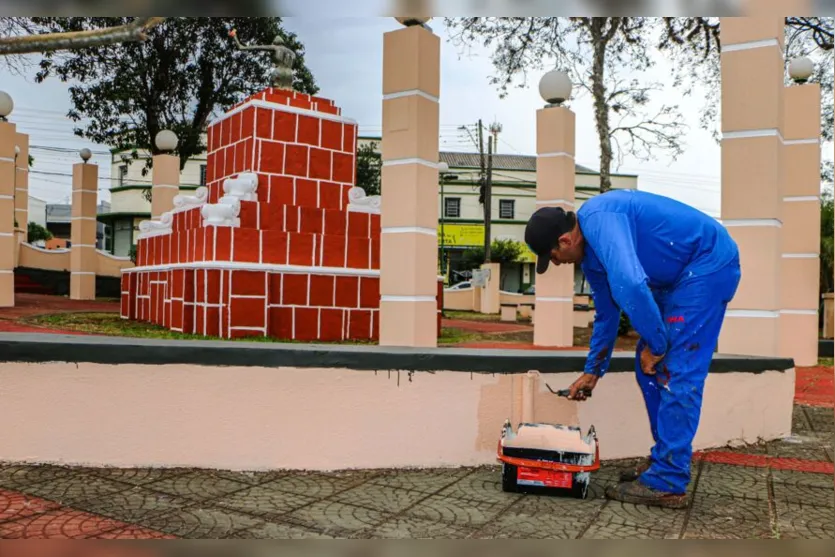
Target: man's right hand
(581, 389)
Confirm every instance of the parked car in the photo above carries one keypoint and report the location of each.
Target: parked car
(461, 286)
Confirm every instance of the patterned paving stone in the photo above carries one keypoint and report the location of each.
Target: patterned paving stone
(405, 528)
(14, 506)
(425, 481)
(197, 486)
(251, 478)
(821, 419)
(60, 523)
(543, 518)
(264, 501)
(803, 494)
(135, 476)
(334, 518)
(132, 505)
(804, 521)
(660, 523)
(807, 448)
(709, 527)
(823, 481)
(380, 498)
(14, 477)
(734, 481)
(800, 424)
(74, 489)
(750, 510)
(318, 486)
(458, 512)
(621, 532)
(134, 533)
(200, 523)
(481, 485)
(278, 531)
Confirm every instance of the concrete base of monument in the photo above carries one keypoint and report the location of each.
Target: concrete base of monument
(123, 402)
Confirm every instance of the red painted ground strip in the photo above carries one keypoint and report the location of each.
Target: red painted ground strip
(815, 386)
(763, 461)
(25, 517)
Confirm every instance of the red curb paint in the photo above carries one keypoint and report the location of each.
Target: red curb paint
(735, 459)
(815, 386)
(763, 461)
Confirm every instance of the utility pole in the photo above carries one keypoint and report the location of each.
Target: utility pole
(488, 200)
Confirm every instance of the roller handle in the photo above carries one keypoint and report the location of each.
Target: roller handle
(566, 392)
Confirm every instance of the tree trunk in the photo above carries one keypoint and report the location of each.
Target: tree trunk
(598, 89)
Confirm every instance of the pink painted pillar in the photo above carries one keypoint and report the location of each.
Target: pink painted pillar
(752, 171)
(800, 262)
(21, 194)
(8, 242)
(555, 126)
(83, 255)
(166, 184)
(409, 215)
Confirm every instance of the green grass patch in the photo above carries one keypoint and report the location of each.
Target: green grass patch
(826, 362)
(112, 325)
(471, 316)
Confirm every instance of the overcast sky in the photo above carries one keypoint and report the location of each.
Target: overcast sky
(345, 56)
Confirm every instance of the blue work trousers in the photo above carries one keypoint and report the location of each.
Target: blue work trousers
(693, 312)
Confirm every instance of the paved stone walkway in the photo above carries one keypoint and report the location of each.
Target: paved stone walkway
(780, 489)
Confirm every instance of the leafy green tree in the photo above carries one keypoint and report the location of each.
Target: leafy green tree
(187, 70)
(35, 233)
(369, 168)
(501, 251)
(826, 247)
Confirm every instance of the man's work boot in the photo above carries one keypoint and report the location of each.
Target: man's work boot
(632, 474)
(639, 494)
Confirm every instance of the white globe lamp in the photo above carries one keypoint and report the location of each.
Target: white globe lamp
(85, 154)
(443, 168)
(555, 87)
(801, 69)
(6, 105)
(166, 141)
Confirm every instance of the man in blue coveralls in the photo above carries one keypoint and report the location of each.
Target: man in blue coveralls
(672, 270)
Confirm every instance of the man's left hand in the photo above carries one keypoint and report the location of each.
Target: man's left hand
(649, 361)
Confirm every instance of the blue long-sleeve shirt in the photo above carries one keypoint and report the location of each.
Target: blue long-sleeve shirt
(637, 242)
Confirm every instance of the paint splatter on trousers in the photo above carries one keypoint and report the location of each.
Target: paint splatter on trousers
(693, 312)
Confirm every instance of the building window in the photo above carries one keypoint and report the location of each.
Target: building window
(123, 173)
(452, 207)
(507, 209)
(202, 174)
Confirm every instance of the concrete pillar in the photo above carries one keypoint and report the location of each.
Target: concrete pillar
(752, 171)
(165, 184)
(800, 262)
(8, 242)
(21, 194)
(554, 322)
(490, 294)
(409, 213)
(85, 179)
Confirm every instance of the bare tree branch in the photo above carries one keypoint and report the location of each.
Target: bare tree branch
(49, 42)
